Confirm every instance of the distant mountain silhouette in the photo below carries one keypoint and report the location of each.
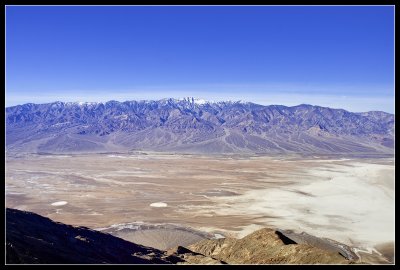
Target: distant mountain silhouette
(190, 125)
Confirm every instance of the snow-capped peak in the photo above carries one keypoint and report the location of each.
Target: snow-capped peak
(200, 101)
(82, 103)
(193, 100)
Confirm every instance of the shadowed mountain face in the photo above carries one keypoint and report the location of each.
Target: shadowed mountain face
(197, 127)
(32, 239)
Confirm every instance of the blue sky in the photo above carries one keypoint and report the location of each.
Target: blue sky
(341, 57)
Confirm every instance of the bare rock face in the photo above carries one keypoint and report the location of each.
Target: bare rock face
(187, 256)
(266, 246)
(196, 127)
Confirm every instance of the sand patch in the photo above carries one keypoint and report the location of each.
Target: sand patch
(158, 204)
(59, 203)
(160, 236)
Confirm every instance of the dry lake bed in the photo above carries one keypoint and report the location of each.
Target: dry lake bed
(350, 200)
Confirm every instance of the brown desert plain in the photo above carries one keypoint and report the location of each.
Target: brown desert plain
(161, 199)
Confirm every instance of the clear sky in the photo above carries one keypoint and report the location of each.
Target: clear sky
(341, 57)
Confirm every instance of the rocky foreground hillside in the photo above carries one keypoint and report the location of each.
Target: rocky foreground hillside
(267, 246)
(33, 239)
(194, 126)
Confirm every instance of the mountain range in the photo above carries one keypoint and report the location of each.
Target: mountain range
(195, 126)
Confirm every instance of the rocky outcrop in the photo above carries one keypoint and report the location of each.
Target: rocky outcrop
(266, 246)
(187, 256)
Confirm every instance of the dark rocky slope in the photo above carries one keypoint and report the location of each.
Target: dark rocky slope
(33, 239)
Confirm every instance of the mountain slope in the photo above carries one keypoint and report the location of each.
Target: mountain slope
(191, 126)
(32, 239)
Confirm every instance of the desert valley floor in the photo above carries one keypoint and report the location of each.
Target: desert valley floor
(350, 200)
